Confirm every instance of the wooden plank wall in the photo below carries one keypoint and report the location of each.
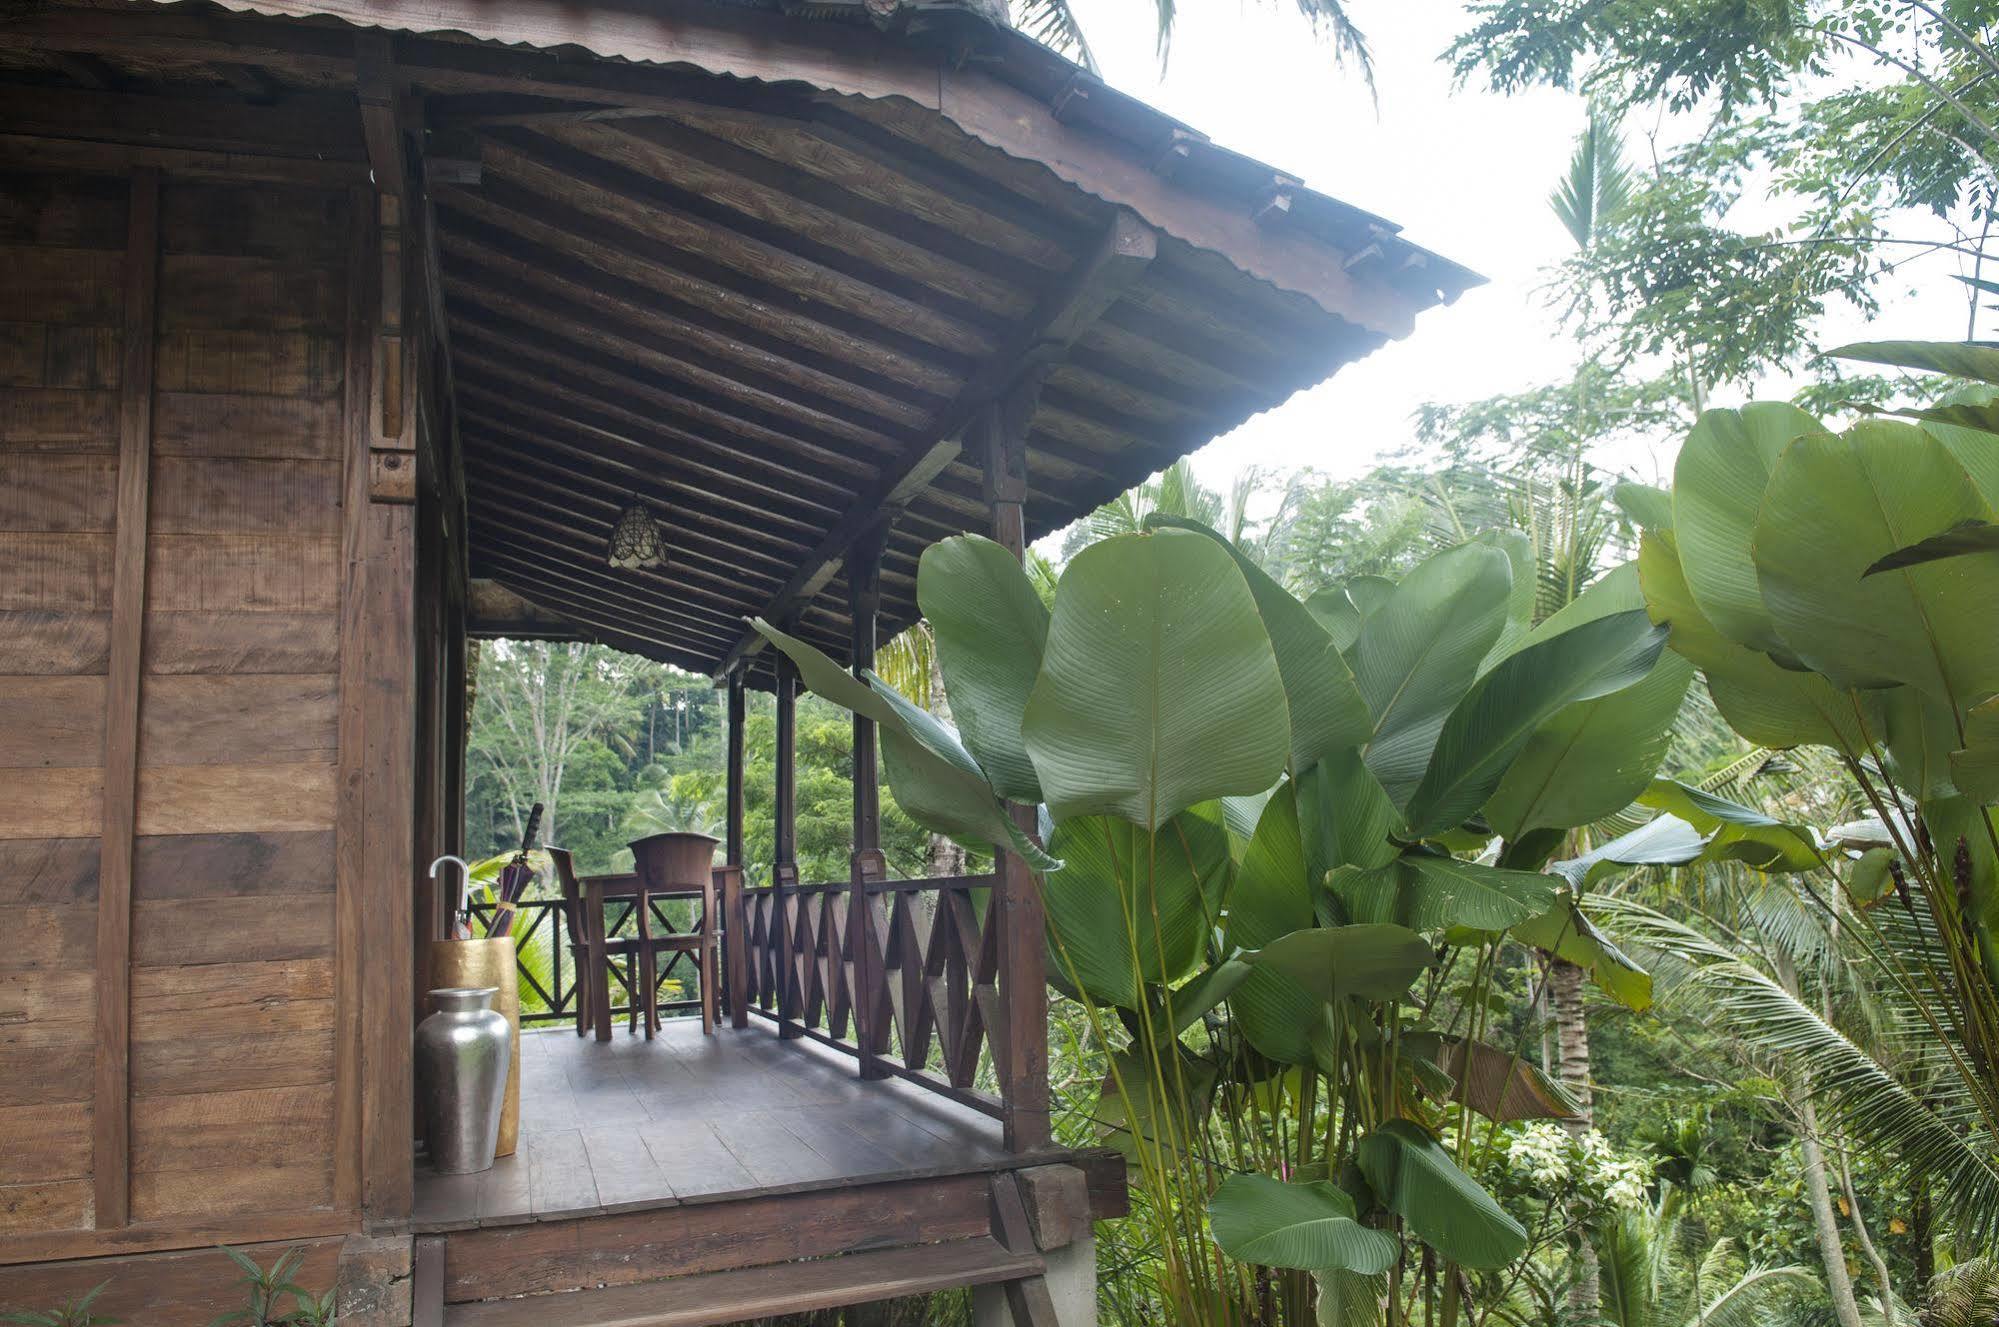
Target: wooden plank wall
(230, 989)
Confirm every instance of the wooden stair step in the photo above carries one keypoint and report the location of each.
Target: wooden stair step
(709, 1299)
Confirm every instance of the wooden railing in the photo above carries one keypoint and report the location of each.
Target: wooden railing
(539, 928)
(908, 984)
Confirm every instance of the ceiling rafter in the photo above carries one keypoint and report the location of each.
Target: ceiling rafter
(1120, 257)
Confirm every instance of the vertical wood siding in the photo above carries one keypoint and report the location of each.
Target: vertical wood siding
(230, 1053)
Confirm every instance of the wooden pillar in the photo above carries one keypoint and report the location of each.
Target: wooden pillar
(784, 857)
(735, 920)
(381, 870)
(111, 1111)
(869, 984)
(1021, 1047)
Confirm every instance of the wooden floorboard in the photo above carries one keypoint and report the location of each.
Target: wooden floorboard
(714, 1298)
(685, 1118)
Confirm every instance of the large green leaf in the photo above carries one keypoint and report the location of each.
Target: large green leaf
(1736, 832)
(1975, 766)
(1503, 710)
(1958, 359)
(1273, 897)
(930, 774)
(1327, 712)
(1415, 1178)
(1420, 651)
(1567, 932)
(1718, 485)
(1344, 816)
(1963, 422)
(1768, 704)
(1369, 593)
(1836, 505)
(1429, 892)
(1331, 608)
(1147, 1108)
(1129, 908)
(1589, 760)
(1364, 962)
(1158, 687)
(990, 627)
(1956, 542)
(1664, 840)
(1309, 1226)
(1920, 733)
(1648, 508)
(1519, 550)
(1206, 990)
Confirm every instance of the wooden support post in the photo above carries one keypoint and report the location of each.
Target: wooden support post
(1021, 1046)
(380, 871)
(735, 921)
(784, 856)
(111, 1112)
(869, 986)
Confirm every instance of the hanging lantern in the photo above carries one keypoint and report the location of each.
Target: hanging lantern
(637, 541)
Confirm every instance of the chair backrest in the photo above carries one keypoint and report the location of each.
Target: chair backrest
(572, 892)
(680, 863)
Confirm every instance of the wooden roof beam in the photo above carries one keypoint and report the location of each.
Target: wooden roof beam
(1123, 253)
(253, 81)
(492, 609)
(683, 577)
(610, 470)
(583, 489)
(376, 83)
(608, 598)
(728, 345)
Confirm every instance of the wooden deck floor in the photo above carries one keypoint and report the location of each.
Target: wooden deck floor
(631, 1124)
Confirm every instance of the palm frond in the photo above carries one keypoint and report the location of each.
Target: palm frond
(1748, 1301)
(1598, 184)
(1054, 24)
(905, 663)
(1966, 1295)
(1350, 46)
(1939, 1134)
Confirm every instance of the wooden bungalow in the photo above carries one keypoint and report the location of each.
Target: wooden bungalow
(334, 333)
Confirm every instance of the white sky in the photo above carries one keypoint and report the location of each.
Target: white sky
(1465, 172)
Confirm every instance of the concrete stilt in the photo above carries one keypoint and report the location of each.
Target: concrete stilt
(1072, 1284)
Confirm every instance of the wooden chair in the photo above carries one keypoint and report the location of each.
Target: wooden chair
(583, 900)
(703, 942)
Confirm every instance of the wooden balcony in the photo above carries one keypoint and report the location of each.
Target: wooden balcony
(708, 1179)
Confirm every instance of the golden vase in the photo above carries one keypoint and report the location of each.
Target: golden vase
(489, 963)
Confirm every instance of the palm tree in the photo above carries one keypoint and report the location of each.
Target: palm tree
(1818, 1001)
(1647, 1282)
(1054, 23)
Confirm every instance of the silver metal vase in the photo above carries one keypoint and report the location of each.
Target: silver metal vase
(462, 1051)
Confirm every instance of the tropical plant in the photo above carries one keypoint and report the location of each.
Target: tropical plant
(71, 1313)
(1253, 804)
(265, 1290)
(1788, 566)
(1647, 1282)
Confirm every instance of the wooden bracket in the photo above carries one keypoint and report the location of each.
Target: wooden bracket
(1275, 205)
(1073, 100)
(391, 475)
(1176, 153)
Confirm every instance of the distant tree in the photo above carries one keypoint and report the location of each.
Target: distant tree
(540, 706)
